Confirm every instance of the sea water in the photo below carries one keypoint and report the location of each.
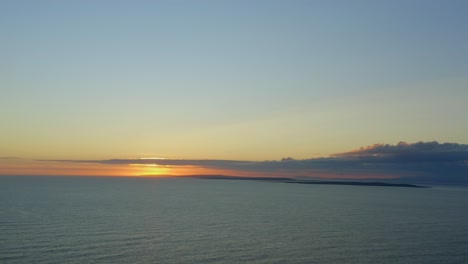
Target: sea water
(188, 220)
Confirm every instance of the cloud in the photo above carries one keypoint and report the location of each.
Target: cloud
(414, 162)
(416, 152)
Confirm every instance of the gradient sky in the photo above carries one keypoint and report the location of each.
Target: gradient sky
(230, 80)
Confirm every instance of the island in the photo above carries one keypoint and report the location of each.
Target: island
(357, 183)
(317, 182)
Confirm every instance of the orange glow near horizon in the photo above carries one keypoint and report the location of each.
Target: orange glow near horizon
(32, 167)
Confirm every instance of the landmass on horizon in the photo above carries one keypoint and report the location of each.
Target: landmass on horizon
(316, 182)
(405, 163)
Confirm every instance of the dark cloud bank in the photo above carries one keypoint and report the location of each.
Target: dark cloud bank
(421, 162)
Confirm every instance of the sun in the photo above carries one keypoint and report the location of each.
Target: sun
(150, 170)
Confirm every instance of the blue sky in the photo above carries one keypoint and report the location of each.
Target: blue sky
(244, 80)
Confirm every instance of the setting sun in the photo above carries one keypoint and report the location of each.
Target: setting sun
(151, 169)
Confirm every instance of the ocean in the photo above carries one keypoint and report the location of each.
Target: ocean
(189, 220)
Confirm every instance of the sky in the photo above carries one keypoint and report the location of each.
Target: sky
(237, 81)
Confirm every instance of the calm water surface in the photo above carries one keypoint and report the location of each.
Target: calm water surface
(143, 220)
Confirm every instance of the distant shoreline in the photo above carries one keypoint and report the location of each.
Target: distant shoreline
(316, 182)
(382, 184)
(223, 177)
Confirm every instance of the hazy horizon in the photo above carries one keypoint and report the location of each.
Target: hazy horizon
(430, 162)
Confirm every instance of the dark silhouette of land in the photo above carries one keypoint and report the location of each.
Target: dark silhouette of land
(222, 177)
(358, 183)
(317, 182)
